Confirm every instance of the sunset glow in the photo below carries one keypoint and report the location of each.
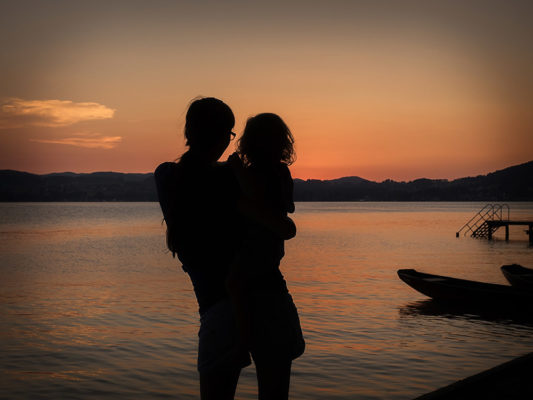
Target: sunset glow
(399, 90)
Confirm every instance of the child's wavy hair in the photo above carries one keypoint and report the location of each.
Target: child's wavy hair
(266, 139)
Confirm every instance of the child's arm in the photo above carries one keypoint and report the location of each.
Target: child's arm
(274, 218)
(253, 205)
(283, 226)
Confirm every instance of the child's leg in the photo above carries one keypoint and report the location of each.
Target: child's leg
(273, 379)
(219, 384)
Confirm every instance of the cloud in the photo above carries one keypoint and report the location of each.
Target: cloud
(87, 140)
(18, 113)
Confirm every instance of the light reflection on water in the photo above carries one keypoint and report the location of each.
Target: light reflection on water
(93, 305)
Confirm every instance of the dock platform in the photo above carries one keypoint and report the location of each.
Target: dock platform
(489, 219)
(495, 224)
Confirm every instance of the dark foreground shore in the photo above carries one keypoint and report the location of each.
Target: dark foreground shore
(510, 380)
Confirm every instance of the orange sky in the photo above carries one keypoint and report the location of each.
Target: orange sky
(377, 89)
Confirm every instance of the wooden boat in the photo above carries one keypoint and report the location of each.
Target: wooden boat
(518, 276)
(464, 291)
(510, 380)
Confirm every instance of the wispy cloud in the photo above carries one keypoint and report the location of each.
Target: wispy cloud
(17, 113)
(87, 140)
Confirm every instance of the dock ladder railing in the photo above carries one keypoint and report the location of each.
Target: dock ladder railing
(478, 226)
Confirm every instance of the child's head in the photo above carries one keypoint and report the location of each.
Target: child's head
(266, 140)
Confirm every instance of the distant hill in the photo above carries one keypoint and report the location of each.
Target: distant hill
(68, 186)
(511, 184)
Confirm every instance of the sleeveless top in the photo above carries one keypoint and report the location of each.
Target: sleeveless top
(199, 205)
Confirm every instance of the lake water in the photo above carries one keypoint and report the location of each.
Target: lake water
(91, 304)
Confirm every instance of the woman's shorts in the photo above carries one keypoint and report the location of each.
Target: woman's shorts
(217, 347)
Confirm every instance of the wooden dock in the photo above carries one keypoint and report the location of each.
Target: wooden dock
(495, 224)
(489, 219)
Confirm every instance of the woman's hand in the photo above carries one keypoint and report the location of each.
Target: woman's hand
(235, 162)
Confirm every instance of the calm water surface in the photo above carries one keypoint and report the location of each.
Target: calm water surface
(91, 304)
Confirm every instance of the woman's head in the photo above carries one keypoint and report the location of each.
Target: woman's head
(266, 139)
(208, 124)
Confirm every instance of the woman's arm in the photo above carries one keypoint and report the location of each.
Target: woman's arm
(161, 177)
(165, 177)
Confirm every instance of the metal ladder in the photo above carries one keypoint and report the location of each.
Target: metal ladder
(478, 227)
